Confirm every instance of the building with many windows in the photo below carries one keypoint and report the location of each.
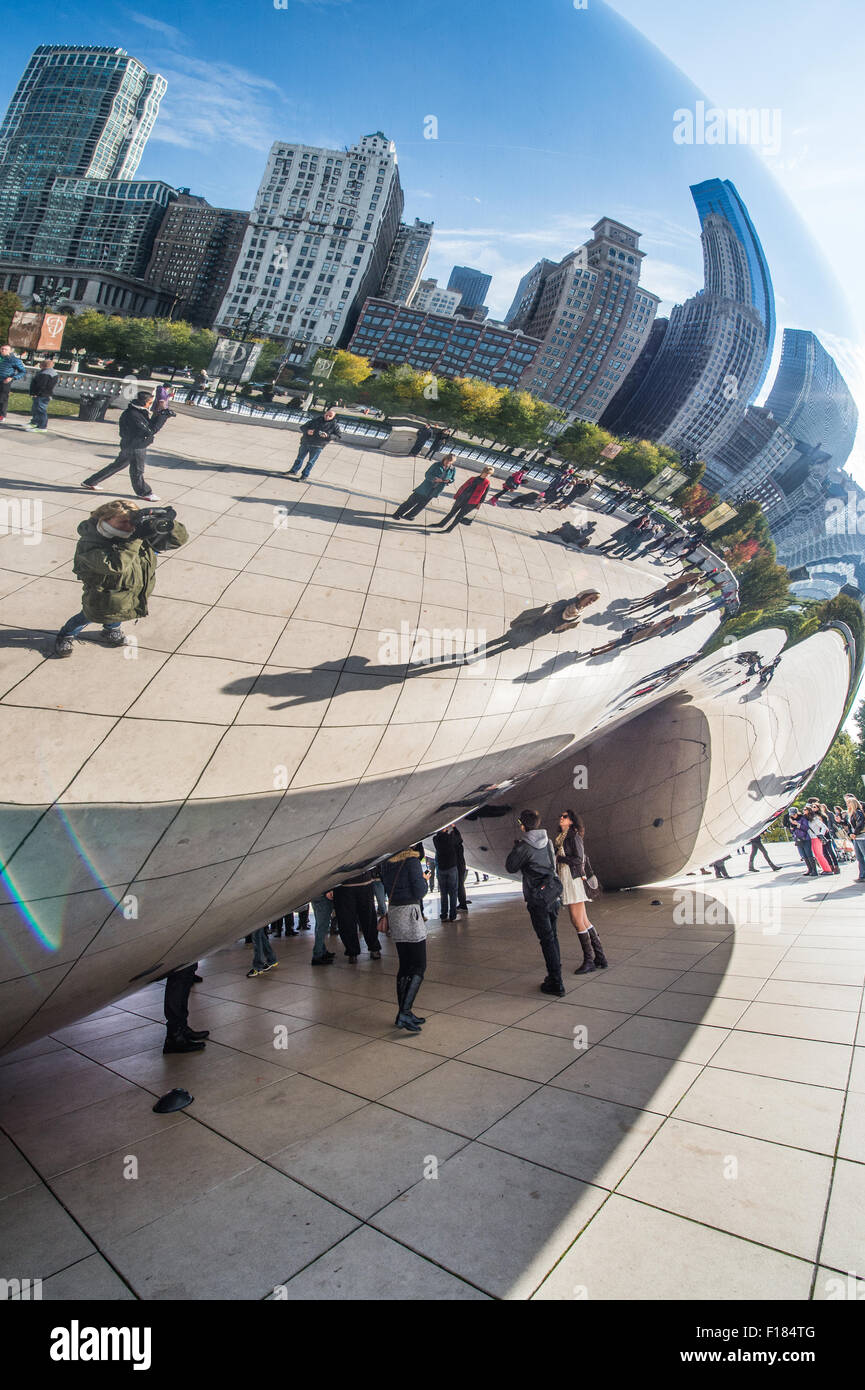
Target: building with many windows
(194, 255)
(471, 284)
(434, 300)
(811, 399)
(389, 334)
(78, 113)
(407, 261)
(593, 318)
(720, 198)
(705, 370)
(105, 224)
(319, 240)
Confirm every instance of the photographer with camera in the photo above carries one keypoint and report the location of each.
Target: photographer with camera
(115, 559)
(138, 429)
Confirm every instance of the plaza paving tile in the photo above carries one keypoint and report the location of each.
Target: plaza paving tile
(487, 1157)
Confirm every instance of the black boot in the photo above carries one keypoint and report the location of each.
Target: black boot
(414, 985)
(196, 1035)
(588, 959)
(179, 1042)
(600, 959)
(403, 1019)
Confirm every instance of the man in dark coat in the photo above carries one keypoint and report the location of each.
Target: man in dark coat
(533, 856)
(313, 436)
(423, 437)
(42, 389)
(137, 431)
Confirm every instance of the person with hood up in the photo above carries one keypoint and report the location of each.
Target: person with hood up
(138, 429)
(115, 559)
(405, 885)
(533, 857)
(438, 476)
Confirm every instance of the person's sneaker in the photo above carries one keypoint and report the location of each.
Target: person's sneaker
(2, 419)
(375, 955)
(114, 637)
(272, 966)
(250, 974)
(63, 646)
(550, 987)
(151, 497)
(323, 960)
(91, 487)
(183, 1044)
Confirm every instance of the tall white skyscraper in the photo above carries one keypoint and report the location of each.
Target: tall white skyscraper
(318, 243)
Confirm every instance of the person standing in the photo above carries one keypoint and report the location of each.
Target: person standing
(447, 868)
(421, 439)
(179, 1037)
(573, 869)
(162, 399)
(462, 900)
(115, 559)
(322, 911)
(42, 388)
(263, 954)
(200, 386)
(440, 438)
(467, 499)
(406, 888)
(533, 857)
(12, 369)
(138, 429)
(438, 476)
(856, 822)
(757, 847)
(317, 432)
(819, 832)
(354, 903)
(802, 839)
(511, 483)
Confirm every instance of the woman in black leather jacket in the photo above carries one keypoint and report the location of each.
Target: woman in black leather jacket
(573, 868)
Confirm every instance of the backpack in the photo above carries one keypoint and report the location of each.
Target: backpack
(544, 890)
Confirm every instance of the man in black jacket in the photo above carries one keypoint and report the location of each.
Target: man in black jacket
(137, 431)
(42, 389)
(534, 857)
(11, 369)
(314, 435)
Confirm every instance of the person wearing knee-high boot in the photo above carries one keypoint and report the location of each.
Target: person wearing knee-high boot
(574, 869)
(406, 888)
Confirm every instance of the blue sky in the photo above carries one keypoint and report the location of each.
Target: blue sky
(549, 116)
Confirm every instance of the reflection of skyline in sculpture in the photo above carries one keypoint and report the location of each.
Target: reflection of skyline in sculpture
(712, 357)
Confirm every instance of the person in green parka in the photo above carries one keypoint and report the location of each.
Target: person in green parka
(435, 480)
(115, 559)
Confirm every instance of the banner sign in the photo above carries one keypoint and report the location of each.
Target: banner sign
(35, 331)
(234, 361)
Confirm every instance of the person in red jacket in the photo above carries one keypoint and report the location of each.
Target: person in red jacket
(467, 499)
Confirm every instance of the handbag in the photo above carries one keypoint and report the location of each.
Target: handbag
(590, 879)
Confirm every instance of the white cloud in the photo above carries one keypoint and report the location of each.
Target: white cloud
(168, 31)
(213, 104)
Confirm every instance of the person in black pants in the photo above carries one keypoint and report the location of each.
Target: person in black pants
(423, 437)
(402, 876)
(757, 847)
(137, 432)
(179, 1037)
(447, 843)
(462, 900)
(354, 904)
(533, 857)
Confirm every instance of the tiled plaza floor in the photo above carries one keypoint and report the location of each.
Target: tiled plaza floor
(704, 1137)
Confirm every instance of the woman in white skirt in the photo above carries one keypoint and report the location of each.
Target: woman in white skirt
(573, 868)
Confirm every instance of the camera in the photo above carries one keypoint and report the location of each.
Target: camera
(154, 523)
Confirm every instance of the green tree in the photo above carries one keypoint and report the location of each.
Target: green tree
(9, 305)
(346, 376)
(763, 583)
(838, 773)
(522, 420)
(581, 444)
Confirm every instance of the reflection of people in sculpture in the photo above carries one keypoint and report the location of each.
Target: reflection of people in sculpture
(674, 589)
(638, 633)
(535, 623)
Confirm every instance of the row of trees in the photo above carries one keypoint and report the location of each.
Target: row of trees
(515, 419)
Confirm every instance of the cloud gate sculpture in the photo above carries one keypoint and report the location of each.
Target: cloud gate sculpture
(296, 706)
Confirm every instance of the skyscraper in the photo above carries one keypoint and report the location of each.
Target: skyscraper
(194, 255)
(472, 285)
(434, 300)
(810, 398)
(318, 243)
(78, 112)
(592, 316)
(720, 198)
(706, 369)
(407, 261)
